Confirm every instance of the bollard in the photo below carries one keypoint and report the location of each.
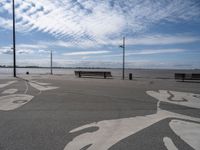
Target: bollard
(79, 74)
(130, 76)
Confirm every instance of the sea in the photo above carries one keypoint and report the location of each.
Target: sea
(116, 72)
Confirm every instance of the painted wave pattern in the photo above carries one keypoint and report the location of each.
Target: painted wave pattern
(111, 132)
(11, 100)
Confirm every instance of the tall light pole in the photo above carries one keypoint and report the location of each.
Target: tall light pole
(51, 61)
(123, 65)
(14, 48)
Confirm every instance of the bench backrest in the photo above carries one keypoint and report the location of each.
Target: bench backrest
(195, 76)
(179, 75)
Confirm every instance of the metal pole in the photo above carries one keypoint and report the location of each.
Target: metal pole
(14, 48)
(51, 63)
(123, 71)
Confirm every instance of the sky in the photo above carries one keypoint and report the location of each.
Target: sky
(87, 33)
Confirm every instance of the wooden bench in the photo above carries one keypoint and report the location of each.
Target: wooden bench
(184, 76)
(104, 74)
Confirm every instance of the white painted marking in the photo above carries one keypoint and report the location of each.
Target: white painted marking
(7, 84)
(11, 102)
(188, 132)
(10, 91)
(40, 83)
(26, 90)
(42, 88)
(111, 132)
(169, 144)
(180, 98)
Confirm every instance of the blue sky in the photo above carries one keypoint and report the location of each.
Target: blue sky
(87, 33)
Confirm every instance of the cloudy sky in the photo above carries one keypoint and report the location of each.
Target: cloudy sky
(87, 33)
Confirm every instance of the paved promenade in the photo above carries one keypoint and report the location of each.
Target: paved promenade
(68, 113)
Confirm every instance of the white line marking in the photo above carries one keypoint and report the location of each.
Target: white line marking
(169, 144)
(26, 90)
(7, 84)
(180, 98)
(10, 91)
(111, 132)
(11, 102)
(188, 132)
(42, 88)
(40, 83)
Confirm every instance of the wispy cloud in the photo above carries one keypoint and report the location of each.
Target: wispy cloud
(85, 43)
(96, 20)
(6, 50)
(151, 51)
(5, 23)
(156, 39)
(86, 53)
(32, 46)
(25, 49)
(162, 40)
(9, 51)
(145, 52)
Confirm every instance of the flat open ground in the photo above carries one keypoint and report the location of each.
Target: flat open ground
(68, 113)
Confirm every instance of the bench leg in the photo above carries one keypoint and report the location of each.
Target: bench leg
(79, 75)
(183, 78)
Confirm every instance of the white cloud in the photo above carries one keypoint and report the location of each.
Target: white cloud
(25, 49)
(41, 51)
(6, 50)
(96, 20)
(5, 23)
(9, 51)
(157, 39)
(144, 52)
(32, 46)
(86, 53)
(69, 44)
(151, 51)
(162, 40)
(61, 44)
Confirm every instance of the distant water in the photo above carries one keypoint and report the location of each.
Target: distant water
(137, 73)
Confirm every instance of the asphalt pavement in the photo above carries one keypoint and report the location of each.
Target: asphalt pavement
(61, 113)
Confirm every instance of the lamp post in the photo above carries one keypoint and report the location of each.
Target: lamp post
(123, 65)
(14, 48)
(51, 62)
